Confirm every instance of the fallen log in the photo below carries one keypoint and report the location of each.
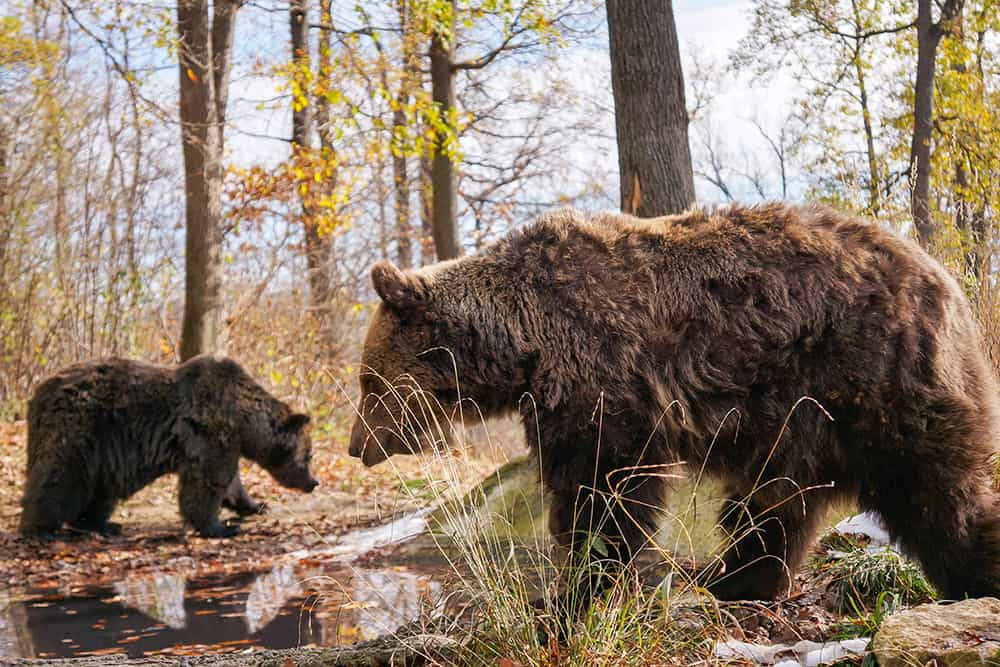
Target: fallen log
(386, 651)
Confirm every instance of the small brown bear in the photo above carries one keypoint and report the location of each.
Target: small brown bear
(100, 431)
(630, 344)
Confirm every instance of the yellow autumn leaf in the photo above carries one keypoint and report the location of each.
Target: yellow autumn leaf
(191, 75)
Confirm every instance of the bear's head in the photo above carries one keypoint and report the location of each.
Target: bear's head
(221, 405)
(290, 453)
(411, 360)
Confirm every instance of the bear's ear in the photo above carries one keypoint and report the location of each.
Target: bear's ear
(295, 423)
(396, 288)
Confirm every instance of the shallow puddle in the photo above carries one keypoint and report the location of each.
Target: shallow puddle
(308, 603)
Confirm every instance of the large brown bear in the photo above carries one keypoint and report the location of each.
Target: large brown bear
(629, 344)
(100, 431)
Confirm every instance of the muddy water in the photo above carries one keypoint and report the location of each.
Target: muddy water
(307, 603)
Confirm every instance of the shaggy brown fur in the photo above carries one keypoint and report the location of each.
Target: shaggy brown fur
(101, 430)
(693, 337)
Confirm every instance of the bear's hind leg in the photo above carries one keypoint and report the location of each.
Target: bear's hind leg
(953, 532)
(936, 496)
(95, 517)
(769, 532)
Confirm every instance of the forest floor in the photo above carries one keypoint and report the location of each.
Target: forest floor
(282, 583)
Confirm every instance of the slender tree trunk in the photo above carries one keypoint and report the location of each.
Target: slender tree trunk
(317, 247)
(929, 36)
(651, 120)
(874, 178)
(965, 220)
(400, 178)
(444, 200)
(381, 195)
(203, 64)
(6, 219)
(427, 251)
(321, 249)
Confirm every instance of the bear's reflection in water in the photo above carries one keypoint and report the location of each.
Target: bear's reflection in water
(288, 606)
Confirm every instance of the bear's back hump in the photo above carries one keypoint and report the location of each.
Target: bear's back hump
(89, 389)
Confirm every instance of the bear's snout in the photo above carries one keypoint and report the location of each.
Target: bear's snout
(358, 438)
(367, 446)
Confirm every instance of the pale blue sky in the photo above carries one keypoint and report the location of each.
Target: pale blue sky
(709, 28)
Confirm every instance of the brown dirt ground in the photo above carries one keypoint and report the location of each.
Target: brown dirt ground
(154, 538)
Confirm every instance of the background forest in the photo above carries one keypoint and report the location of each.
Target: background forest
(254, 158)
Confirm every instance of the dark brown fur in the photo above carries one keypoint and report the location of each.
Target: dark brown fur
(693, 337)
(100, 431)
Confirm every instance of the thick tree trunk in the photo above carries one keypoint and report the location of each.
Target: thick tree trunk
(651, 120)
(202, 110)
(444, 200)
(929, 36)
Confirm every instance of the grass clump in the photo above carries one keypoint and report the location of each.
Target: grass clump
(862, 576)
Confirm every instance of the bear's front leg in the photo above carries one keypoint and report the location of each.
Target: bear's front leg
(604, 516)
(238, 500)
(200, 498)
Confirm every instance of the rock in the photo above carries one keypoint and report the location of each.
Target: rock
(952, 635)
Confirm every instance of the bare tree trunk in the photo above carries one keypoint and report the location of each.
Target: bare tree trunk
(385, 651)
(874, 178)
(444, 199)
(401, 182)
(427, 252)
(651, 120)
(404, 246)
(317, 247)
(223, 18)
(6, 219)
(381, 195)
(929, 36)
(203, 64)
